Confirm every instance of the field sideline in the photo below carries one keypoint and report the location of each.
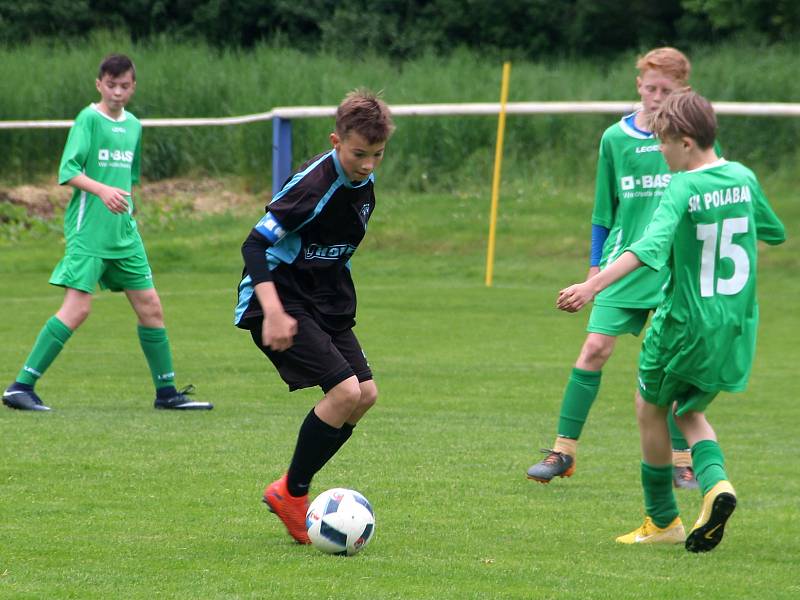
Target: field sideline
(106, 497)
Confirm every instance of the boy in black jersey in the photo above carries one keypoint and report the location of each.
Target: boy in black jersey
(297, 298)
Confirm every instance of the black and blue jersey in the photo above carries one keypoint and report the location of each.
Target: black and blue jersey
(304, 243)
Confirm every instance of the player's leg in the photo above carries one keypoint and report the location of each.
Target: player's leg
(317, 440)
(605, 325)
(579, 395)
(133, 276)
(682, 471)
(49, 343)
(312, 360)
(78, 275)
(719, 497)
(662, 523)
(369, 396)
(320, 435)
(346, 403)
(348, 345)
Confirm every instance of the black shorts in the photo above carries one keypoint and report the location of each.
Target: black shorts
(316, 357)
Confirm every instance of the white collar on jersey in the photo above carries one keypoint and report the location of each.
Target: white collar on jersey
(717, 163)
(122, 117)
(634, 133)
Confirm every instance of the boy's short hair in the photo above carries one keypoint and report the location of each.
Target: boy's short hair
(686, 113)
(669, 61)
(116, 65)
(365, 113)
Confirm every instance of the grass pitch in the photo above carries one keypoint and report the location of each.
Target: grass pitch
(107, 498)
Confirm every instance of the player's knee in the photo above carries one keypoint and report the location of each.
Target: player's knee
(369, 395)
(81, 313)
(595, 350)
(690, 419)
(347, 394)
(150, 311)
(73, 315)
(644, 413)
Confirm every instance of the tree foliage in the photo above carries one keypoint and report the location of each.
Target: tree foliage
(407, 28)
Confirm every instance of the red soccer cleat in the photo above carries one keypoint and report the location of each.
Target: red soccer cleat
(290, 509)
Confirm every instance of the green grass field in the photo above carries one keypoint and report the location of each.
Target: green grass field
(107, 498)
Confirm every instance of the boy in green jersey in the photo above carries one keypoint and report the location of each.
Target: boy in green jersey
(101, 160)
(631, 178)
(702, 337)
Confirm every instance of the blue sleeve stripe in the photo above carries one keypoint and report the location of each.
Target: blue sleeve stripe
(322, 202)
(298, 176)
(599, 237)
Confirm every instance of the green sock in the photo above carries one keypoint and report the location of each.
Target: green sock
(155, 346)
(678, 441)
(659, 499)
(579, 395)
(51, 340)
(709, 464)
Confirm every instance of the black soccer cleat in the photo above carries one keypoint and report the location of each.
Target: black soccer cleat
(180, 401)
(718, 506)
(555, 464)
(23, 400)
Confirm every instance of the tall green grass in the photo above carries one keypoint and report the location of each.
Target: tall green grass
(48, 80)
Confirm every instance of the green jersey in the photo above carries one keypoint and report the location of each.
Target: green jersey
(631, 178)
(707, 226)
(107, 151)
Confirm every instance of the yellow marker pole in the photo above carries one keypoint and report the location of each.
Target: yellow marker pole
(498, 159)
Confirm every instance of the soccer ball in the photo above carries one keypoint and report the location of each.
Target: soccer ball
(340, 521)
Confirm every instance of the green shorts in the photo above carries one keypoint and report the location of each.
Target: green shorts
(659, 386)
(614, 321)
(83, 273)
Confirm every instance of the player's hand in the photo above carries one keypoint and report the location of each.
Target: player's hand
(115, 199)
(575, 297)
(278, 330)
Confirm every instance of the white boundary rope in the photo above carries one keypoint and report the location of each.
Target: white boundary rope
(760, 109)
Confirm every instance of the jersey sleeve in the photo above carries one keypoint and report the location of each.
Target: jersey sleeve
(136, 165)
(769, 227)
(254, 251)
(76, 150)
(599, 237)
(291, 208)
(605, 195)
(655, 245)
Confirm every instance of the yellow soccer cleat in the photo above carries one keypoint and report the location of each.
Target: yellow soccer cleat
(650, 533)
(718, 506)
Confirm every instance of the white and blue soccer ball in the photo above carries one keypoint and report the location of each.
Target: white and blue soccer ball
(340, 521)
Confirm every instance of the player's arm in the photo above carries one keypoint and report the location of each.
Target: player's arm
(605, 203)
(115, 199)
(769, 227)
(576, 296)
(73, 160)
(599, 237)
(288, 211)
(651, 250)
(278, 327)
